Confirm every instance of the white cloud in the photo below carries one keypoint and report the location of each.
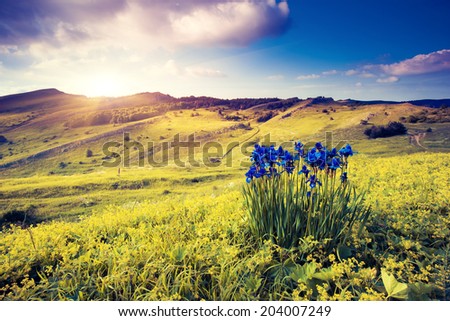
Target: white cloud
(329, 72)
(172, 68)
(306, 77)
(366, 74)
(228, 22)
(387, 80)
(351, 72)
(420, 64)
(134, 23)
(358, 84)
(361, 73)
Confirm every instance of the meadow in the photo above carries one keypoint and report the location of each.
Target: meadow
(85, 232)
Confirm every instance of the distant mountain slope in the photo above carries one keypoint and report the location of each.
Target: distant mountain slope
(39, 99)
(52, 98)
(137, 100)
(352, 102)
(434, 103)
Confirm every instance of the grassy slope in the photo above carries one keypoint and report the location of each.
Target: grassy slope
(197, 246)
(84, 184)
(136, 210)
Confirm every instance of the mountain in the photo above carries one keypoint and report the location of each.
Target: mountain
(137, 100)
(433, 103)
(44, 99)
(53, 98)
(46, 128)
(48, 99)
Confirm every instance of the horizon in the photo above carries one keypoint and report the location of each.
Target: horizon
(214, 97)
(228, 49)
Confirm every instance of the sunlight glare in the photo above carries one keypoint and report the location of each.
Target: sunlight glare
(104, 85)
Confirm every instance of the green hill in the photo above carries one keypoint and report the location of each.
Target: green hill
(141, 196)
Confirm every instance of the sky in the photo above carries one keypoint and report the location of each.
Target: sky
(360, 49)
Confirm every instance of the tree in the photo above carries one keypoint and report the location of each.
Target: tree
(392, 129)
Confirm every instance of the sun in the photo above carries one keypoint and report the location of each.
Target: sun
(106, 85)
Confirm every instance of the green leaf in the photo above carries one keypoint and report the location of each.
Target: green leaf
(344, 252)
(178, 254)
(253, 283)
(420, 291)
(394, 288)
(304, 273)
(326, 274)
(281, 270)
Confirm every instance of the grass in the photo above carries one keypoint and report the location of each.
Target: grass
(199, 246)
(182, 233)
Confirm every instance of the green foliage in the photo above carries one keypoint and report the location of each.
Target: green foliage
(402, 291)
(280, 210)
(171, 234)
(394, 289)
(435, 115)
(199, 245)
(392, 129)
(286, 203)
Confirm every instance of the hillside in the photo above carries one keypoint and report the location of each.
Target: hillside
(141, 196)
(52, 126)
(54, 135)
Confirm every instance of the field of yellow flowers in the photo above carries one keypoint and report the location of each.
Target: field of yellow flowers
(202, 247)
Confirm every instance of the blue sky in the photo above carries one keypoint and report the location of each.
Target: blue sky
(385, 49)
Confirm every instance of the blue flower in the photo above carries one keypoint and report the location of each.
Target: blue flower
(313, 181)
(260, 173)
(305, 171)
(290, 169)
(344, 177)
(299, 148)
(308, 194)
(319, 146)
(251, 173)
(311, 157)
(332, 153)
(280, 151)
(335, 164)
(321, 159)
(346, 151)
(272, 172)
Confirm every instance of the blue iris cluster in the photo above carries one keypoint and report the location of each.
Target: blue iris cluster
(271, 162)
(268, 161)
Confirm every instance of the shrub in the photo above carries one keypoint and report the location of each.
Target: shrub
(266, 117)
(24, 217)
(392, 129)
(89, 153)
(3, 139)
(307, 194)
